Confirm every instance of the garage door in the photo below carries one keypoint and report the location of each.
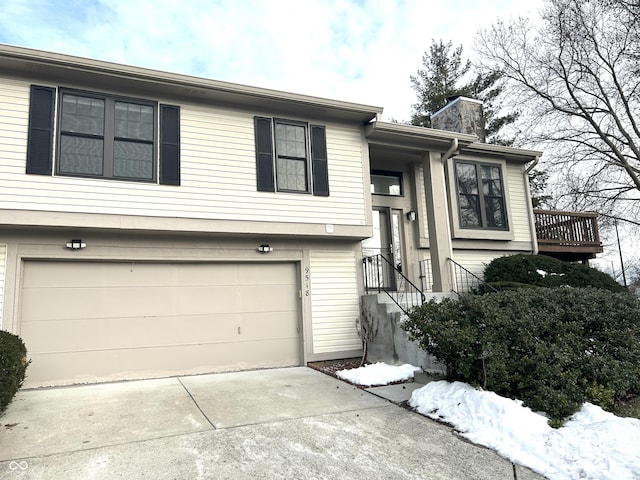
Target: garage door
(99, 321)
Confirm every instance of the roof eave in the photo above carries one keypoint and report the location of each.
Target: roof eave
(42, 64)
(509, 153)
(414, 138)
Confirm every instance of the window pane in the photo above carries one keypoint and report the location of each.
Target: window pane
(81, 155)
(133, 121)
(386, 184)
(292, 174)
(132, 159)
(82, 115)
(290, 140)
(495, 212)
(470, 211)
(491, 184)
(467, 180)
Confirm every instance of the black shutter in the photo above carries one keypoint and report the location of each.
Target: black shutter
(169, 145)
(264, 155)
(40, 137)
(319, 160)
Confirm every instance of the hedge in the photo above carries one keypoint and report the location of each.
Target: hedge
(552, 348)
(13, 365)
(542, 271)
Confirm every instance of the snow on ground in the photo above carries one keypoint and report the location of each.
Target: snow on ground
(593, 444)
(378, 374)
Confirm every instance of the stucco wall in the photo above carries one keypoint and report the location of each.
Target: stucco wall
(392, 345)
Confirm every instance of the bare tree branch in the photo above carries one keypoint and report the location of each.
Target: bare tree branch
(577, 75)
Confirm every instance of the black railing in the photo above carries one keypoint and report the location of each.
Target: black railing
(426, 277)
(380, 275)
(467, 281)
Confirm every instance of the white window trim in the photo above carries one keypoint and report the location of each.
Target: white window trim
(477, 233)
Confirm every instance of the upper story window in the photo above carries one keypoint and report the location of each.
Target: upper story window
(386, 183)
(106, 137)
(291, 156)
(103, 136)
(481, 199)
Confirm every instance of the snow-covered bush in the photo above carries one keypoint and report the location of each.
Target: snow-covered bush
(13, 364)
(553, 348)
(505, 273)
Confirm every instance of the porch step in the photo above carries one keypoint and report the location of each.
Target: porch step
(409, 299)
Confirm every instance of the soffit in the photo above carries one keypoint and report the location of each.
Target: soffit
(511, 154)
(412, 139)
(51, 67)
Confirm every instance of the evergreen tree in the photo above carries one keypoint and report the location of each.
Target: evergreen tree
(446, 74)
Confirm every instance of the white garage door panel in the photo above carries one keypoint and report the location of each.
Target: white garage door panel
(110, 302)
(97, 334)
(155, 362)
(88, 321)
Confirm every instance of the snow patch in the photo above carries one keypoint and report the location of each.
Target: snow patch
(592, 444)
(378, 374)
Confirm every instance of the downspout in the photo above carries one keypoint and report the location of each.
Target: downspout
(532, 219)
(532, 166)
(451, 152)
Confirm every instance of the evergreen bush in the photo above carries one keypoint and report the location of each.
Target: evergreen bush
(552, 348)
(543, 271)
(13, 365)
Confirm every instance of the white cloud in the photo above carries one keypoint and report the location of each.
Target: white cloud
(360, 51)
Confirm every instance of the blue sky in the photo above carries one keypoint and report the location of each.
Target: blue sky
(355, 50)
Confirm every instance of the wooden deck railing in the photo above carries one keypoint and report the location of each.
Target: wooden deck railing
(568, 232)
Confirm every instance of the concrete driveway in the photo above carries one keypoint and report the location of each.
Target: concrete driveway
(291, 423)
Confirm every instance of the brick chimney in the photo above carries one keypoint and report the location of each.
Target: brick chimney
(461, 115)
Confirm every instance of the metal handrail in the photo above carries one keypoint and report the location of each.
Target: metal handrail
(381, 275)
(426, 280)
(467, 281)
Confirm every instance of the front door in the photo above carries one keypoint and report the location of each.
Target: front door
(387, 241)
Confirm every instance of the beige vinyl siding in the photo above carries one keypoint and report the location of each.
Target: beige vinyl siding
(518, 203)
(218, 173)
(3, 263)
(476, 260)
(334, 300)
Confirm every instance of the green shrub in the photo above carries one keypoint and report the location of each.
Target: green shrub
(492, 287)
(552, 348)
(543, 271)
(13, 365)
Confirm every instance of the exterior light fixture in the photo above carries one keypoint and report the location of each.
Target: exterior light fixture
(76, 244)
(411, 216)
(265, 248)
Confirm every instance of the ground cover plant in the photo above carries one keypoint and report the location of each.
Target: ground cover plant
(13, 365)
(553, 348)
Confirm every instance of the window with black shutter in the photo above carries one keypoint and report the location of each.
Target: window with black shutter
(104, 136)
(291, 156)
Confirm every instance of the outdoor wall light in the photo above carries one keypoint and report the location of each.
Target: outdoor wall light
(76, 244)
(411, 216)
(265, 248)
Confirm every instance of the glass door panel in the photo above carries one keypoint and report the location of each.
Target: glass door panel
(386, 241)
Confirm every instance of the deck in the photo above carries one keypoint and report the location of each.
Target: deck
(569, 236)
